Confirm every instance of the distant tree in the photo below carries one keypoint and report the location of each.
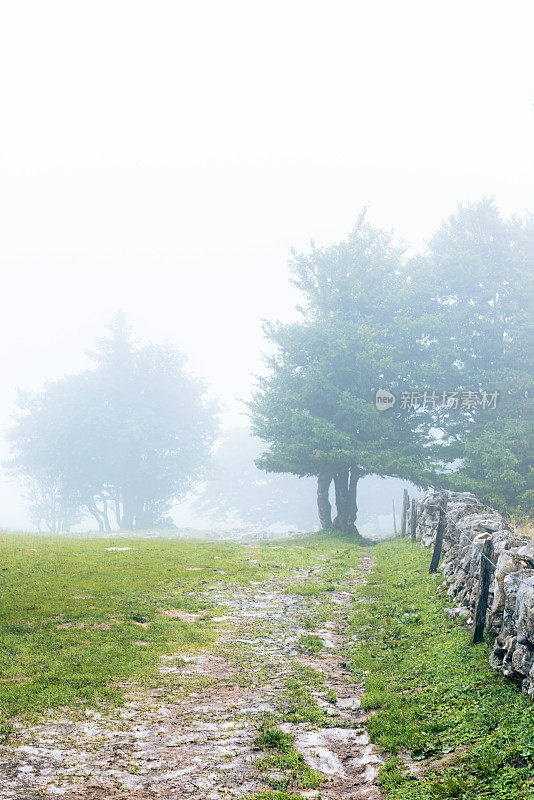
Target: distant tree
(127, 437)
(43, 442)
(49, 505)
(315, 408)
(472, 299)
(235, 489)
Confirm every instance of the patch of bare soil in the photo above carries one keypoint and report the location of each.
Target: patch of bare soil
(191, 735)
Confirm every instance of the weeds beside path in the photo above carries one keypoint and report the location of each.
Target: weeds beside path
(454, 728)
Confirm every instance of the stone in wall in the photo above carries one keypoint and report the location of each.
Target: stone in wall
(511, 600)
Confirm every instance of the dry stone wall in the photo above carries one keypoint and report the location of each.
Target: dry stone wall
(510, 613)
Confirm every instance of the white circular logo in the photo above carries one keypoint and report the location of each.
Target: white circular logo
(384, 400)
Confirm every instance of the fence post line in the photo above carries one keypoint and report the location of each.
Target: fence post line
(405, 504)
(394, 519)
(438, 544)
(413, 519)
(485, 542)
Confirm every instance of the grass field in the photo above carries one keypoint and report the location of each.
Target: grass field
(78, 620)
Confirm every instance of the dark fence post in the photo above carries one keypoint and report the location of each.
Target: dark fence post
(394, 519)
(485, 542)
(438, 544)
(405, 504)
(413, 520)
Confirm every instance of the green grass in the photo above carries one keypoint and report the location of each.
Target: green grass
(310, 643)
(283, 758)
(272, 738)
(433, 694)
(297, 702)
(77, 620)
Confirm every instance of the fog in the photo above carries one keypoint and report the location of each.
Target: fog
(164, 158)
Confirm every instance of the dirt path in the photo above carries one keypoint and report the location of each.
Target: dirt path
(279, 657)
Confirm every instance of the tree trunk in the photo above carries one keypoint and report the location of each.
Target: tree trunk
(96, 514)
(118, 514)
(353, 486)
(104, 513)
(324, 479)
(342, 492)
(346, 482)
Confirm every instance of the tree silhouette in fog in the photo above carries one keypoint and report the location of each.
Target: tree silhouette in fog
(124, 439)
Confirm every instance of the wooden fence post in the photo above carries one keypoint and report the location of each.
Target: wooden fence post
(413, 519)
(394, 519)
(485, 542)
(438, 544)
(405, 504)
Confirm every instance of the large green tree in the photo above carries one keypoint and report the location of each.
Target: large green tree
(472, 298)
(127, 437)
(315, 406)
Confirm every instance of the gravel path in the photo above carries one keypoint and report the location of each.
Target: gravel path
(192, 736)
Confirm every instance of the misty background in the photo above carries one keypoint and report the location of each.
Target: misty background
(163, 159)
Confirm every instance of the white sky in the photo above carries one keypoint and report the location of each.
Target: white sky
(163, 158)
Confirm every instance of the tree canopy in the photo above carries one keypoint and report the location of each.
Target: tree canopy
(129, 436)
(316, 406)
(473, 291)
(447, 333)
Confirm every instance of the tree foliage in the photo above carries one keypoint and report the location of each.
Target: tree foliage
(456, 319)
(128, 437)
(473, 292)
(315, 407)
